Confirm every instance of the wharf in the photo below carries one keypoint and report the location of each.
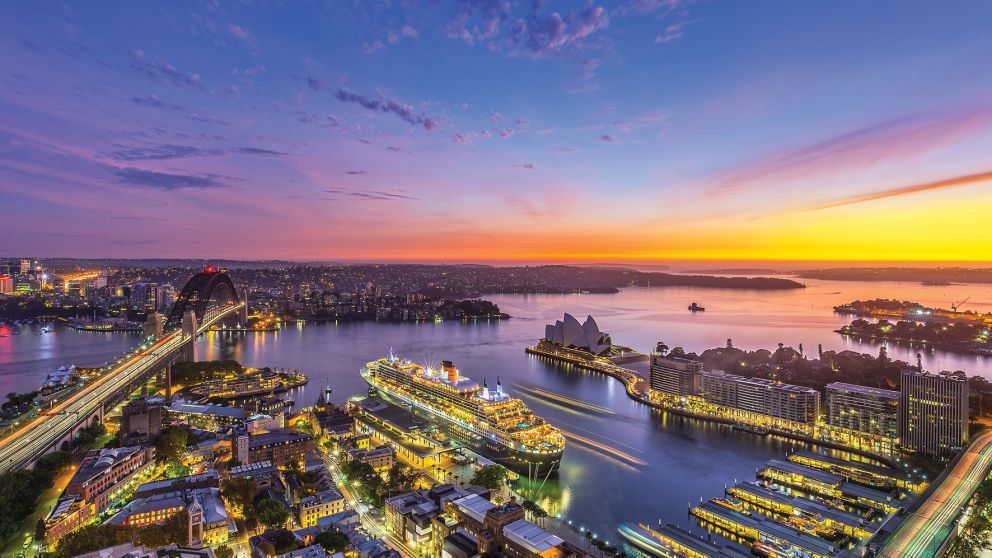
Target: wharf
(772, 501)
(766, 531)
(672, 541)
(859, 471)
(826, 484)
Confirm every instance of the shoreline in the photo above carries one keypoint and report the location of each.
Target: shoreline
(630, 378)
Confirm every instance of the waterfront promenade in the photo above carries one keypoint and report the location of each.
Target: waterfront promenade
(924, 533)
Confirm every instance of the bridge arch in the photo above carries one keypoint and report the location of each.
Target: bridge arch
(203, 288)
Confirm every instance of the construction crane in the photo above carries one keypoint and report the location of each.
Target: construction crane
(955, 305)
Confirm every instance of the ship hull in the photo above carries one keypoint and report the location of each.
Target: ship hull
(525, 464)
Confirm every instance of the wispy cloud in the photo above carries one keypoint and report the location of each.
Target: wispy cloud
(563, 150)
(243, 35)
(377, 195)
(356, 172)
(173, 151)
(161, 71)
(900, 138)
(607, 138)
(389, 106)
(954, 182)
(530, 166)
(167, 181)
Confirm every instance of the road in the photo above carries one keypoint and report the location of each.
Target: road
(42, 432)
(922, 533)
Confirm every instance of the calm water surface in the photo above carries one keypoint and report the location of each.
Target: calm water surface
(650, 466)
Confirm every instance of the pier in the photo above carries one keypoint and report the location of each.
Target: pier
(766, 531)
(823, 517)
(827, 485)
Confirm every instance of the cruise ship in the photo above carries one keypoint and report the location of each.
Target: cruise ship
(498, 426)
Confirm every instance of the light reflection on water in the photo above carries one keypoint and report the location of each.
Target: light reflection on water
(683, 460)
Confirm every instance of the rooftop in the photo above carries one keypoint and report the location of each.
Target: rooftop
(530, 536)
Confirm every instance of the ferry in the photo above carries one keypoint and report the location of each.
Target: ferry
(499, 427)
(696, 308)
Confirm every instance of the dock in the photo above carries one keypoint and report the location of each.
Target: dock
(760, 530)
(823, 516)
(829, 485)
(878, 476)
(671, 541)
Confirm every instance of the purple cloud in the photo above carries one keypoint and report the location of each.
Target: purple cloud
(355, 172)
(478, 21)
(161, 71)
(530, 166)
(154, 101)
(671, 33)
(554, 33)
(243, 35)
(387, 105)
(565, 150)
(166, 181)
(378, 195)
(607, 138)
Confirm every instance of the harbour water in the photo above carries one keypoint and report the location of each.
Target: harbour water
(624, 462)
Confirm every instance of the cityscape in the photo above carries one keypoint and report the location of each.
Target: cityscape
(495, 279)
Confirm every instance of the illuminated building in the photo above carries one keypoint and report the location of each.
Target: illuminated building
(279, 447)
(207, 417)
(570, 333)
(205, 506)
(70, 513)
(675, 376)
(863, 417)
(6, 284)
(759, 400)
(498, 528)
(322, 504)
(209, 479)
(129, 550)
(408, 516)
(933, 409)
(498, 426)
(107, 475)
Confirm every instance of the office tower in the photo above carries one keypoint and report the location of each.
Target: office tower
(933, 414)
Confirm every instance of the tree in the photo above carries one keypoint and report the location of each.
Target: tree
(661, 348)
(39, 530)
(239, 494)
(172, 443)
(223, 551)
(401, 479)
(271, 513)
(490, 476)
(333, 541)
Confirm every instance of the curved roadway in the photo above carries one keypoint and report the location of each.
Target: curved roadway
(35, 436)
(923, 533)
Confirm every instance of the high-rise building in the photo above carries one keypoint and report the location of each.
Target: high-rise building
(6, 284)
(675, 376)
(863, 417)
(25, 267)
(166, 297)
(933, 412)
(761, 401)
(144, 295)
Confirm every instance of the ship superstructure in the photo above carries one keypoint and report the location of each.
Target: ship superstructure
(500, 427)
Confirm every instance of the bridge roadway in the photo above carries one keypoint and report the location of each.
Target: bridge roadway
(36, 436)
(923, 534)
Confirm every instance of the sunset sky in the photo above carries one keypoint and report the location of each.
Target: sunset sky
(488, 130)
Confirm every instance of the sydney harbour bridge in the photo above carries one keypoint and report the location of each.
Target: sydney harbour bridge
(208, 299)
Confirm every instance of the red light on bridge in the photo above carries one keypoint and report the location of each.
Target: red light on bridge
(210, 269)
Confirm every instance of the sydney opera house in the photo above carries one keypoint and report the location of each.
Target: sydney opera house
(573, 335)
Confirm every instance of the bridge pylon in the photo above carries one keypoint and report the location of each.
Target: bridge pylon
(189, 328)
(243, 314)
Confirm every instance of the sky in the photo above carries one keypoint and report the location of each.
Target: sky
(497, 131)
